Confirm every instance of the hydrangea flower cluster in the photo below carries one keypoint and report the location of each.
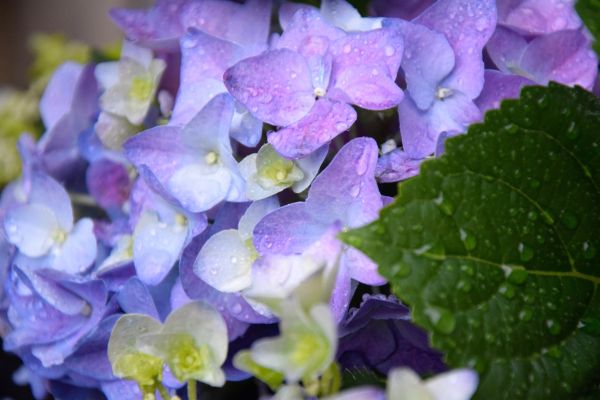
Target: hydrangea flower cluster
(178, 219)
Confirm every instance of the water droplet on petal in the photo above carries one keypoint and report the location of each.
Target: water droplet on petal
(237, 308)
(389, 51)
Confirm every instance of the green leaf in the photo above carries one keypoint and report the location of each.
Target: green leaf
(495, 246)
(589, 11)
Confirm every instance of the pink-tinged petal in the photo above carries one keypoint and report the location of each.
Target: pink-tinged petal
(108, 183)
(367, 86)
(380, 48)
(428, 59)
(468, 25)
(245, 24)
(396, 166)
(204, 60)
(159, 23)
(306, 23)
(288, 230)
(275, 86)
(287, 11)
(356, 200)
(538, 17)
(564, 57)
(499, 86)
(420, 129)
(326, 120)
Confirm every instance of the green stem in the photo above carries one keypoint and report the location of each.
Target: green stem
(191, 389)
(163, 391)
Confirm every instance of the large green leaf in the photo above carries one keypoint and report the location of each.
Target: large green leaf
(495, 246)
(589, 11)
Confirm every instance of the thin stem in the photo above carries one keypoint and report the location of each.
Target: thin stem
(191, 389)
(163, 391)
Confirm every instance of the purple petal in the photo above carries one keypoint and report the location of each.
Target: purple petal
(160, 149)
(468, 25)
(420, 130)
(288, 230)
(275, 86)
(505, 48)
(368, 87)
(356, 199)
(379, 335)
(57, 99)
(204, 59)
(91, 358)
(396, 166)
(538, 17)
(109, 184)
(159, 22)
(428, 59)
(307, 22)
(381, 48)
(287, 11)
(564, 57)
(134, 297)
(499, 86)
(245, 24)
(326, 120)
(361, 268)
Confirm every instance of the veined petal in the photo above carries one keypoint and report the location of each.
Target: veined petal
(327, 119)
(275, 86)
(225, 262)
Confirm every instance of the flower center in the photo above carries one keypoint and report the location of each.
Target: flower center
(443, 93)
(211, 157)
(141, 88)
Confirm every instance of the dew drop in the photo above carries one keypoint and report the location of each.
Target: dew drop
(237, 308)
(445, 206)
(443, 321)
(464, 286)
(467, 269)
(572, 131)
(401, 269)
(525, 252)
(233, 259)
(518, 276)
(534, 183)
(355, 190)
(468, 240)
(589, 251)
(507, 291)
(389, 51)
(532, 215)
(347, 49)
(525, 315)
(569, 220)
(553, 326)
